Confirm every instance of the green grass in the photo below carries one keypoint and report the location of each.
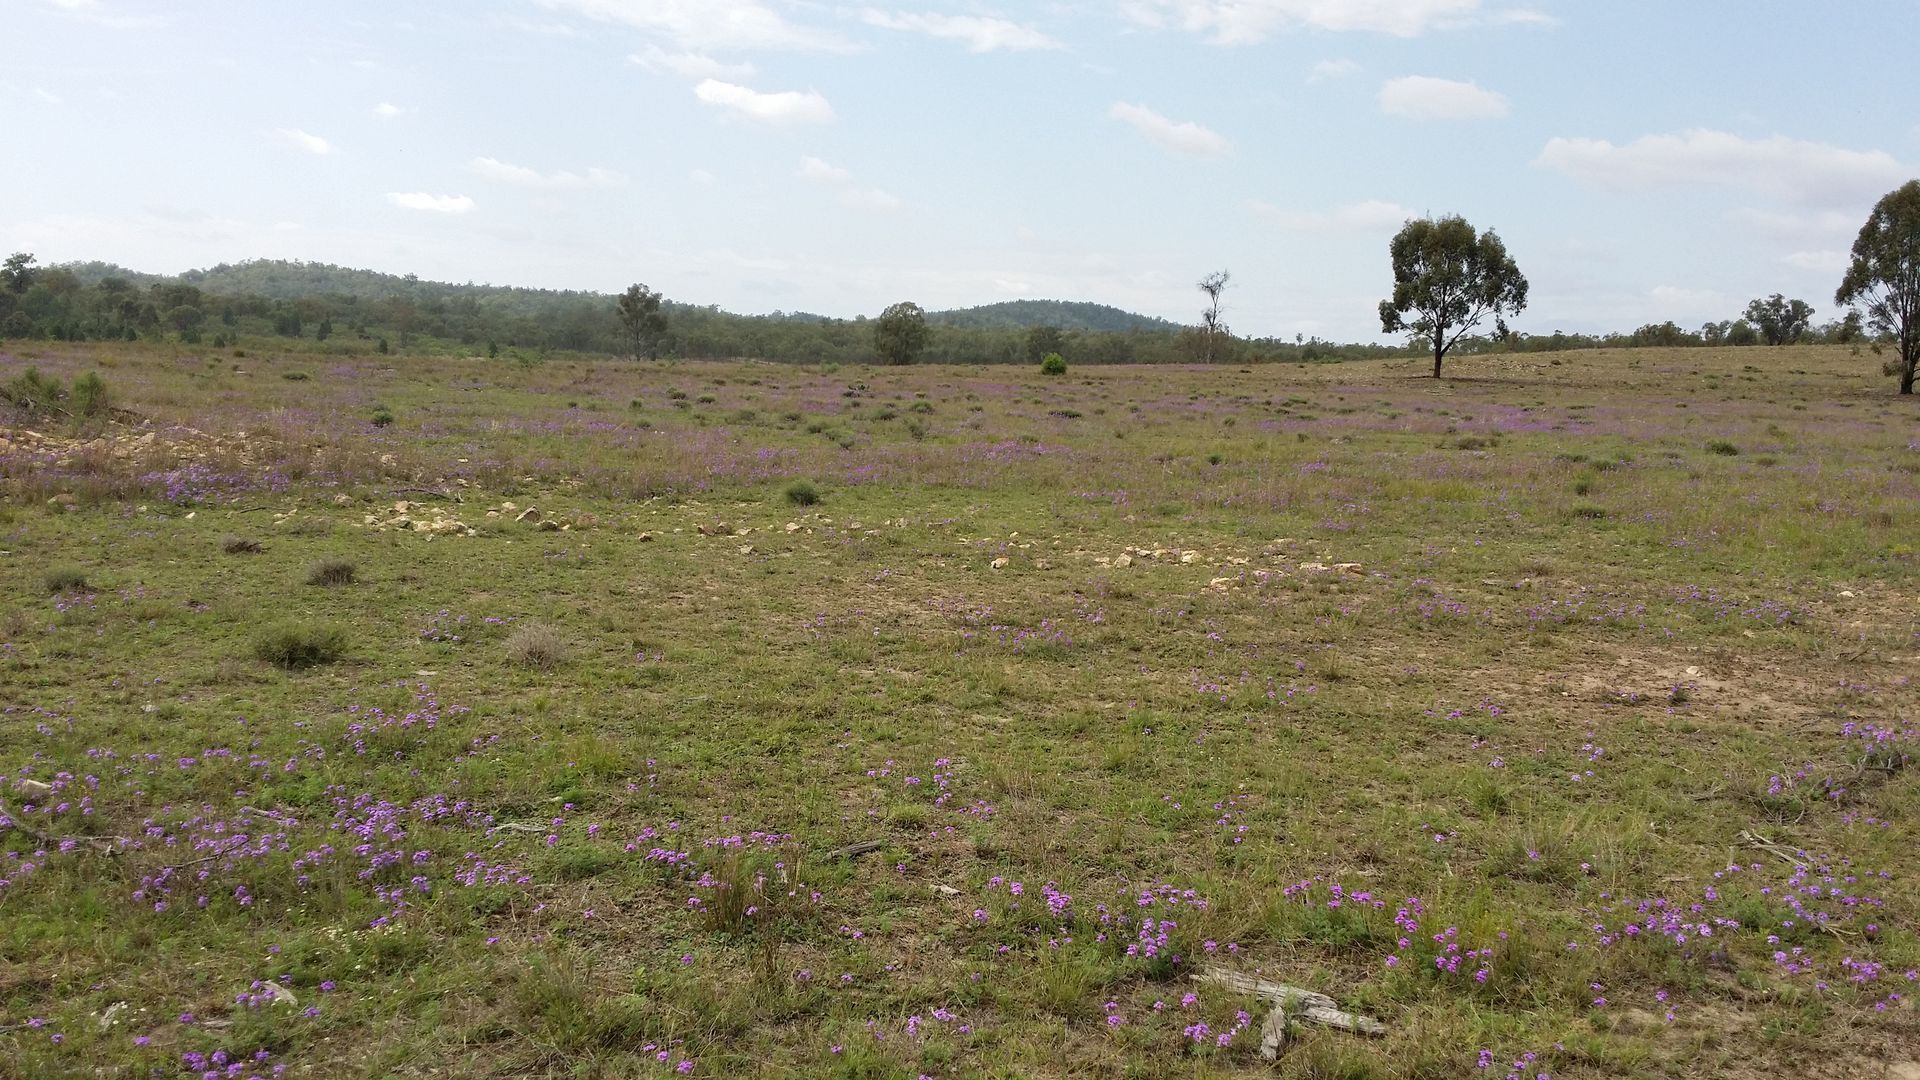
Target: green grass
(1509, 657)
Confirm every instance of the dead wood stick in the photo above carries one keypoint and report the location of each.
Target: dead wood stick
(1309, 1005)
(854, 851)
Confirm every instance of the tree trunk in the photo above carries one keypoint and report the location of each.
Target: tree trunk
(1439, 352)
(1906, 376)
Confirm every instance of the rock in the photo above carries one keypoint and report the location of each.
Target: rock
(111, 1015)
(645, 538)
(1000, 563)
(1123, 560)
(1188, 558)
(746, 549)
(62, 500)
(531, 512)
(31, 788)
(549, 525)
(343, 499)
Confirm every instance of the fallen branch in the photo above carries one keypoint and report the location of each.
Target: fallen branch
(447, 495)
(1309, 1005)
(11, 820)
(854, 851)
(223, 852)
(1755, 840)
(517, 826)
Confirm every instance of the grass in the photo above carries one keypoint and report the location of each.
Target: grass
(298, 645)
(329, 572)
(1325, 670)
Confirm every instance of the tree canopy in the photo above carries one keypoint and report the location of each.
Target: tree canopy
(1779, 320)
(641, 319)
(1883, 281)
(900, 333)
(1450, 279)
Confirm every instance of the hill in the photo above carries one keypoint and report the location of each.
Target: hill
(1065, 314)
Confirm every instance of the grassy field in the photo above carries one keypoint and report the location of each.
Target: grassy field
(1558, 715)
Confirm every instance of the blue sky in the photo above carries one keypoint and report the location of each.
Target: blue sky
(1643, 160)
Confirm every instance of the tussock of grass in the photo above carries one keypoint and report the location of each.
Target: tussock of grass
(296, 645)
(332, 572)
(538, 646)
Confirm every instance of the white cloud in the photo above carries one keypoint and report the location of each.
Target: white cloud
(494, 169)
(1367, 215)
(1184, 136)
(690, 65)
(815, 169)
(1824, 262)
(439, 204)
(980, 33)
(703, 178)
(47, 96)
(1694, 300)
(707, 24)
(99, 14)
(387, 110)
(1248, 22)
(1808, 172)
(1332, 69)
(785, 107)
(303, 140)
(869, 199)
(1418, 97)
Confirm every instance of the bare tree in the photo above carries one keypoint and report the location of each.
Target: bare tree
(1213, 285)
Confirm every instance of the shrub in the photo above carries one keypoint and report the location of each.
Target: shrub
(296, 376)
(90, 397)
(381, 417)
(537, 645)
(1722, 447)
(1053, 364)
(239, 545)
(801, 493)
(331, 572)
(296, 645)
(64, 579)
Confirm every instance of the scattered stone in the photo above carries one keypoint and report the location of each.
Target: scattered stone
(1000, 563)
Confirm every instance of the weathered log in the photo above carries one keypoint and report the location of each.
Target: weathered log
(854, 851)
(1309, 1005)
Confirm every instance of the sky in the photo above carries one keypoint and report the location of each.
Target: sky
(1643, 160)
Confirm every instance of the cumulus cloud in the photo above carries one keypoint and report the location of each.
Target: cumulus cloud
(707, 24)
(494, 169)
(1807, 172)
(1419, 97)
(439, 204)
(869, 199)
(858, 198)
(1183, 136)
(1824, 262)
(1248, 22)
(1369, 214)
(387, 110)
(980, 33)
(1332, 69)
(785, 107)
(99, 14)
(303, 140)
(691, 65)
(815, 169)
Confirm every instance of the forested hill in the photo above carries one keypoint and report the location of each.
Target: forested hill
(1064, 314)
(339, 309)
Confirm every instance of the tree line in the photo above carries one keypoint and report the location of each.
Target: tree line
(1449, 281)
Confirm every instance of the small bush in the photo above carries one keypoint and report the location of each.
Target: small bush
(331, 572)
(1053, 364)
(90, 397)
(296, 376)
(239, 545)
(64, 579)
(1723, 448)
(536, 645)
(801, 493)
(296, 645)
(381, 417)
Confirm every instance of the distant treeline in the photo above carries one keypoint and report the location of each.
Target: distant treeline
(329, 308)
